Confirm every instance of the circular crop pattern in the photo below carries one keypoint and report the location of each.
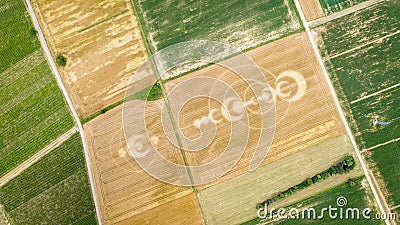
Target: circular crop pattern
(234, 108)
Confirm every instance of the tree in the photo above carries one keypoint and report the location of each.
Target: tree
(61, 60)
(33, 31)
(309, 181)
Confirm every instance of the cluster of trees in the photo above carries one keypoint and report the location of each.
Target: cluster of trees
(61, 60)
(345, 165)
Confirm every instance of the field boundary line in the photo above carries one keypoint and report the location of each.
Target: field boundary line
(61, 85)
(376, 93)
(380, 145)
(21, 67)
(29, 162)
(103, 21)
(360, 6)
(363, 45)
(395, 207)
(375, 188)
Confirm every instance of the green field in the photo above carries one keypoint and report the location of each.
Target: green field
(33, 109)
(54, 190)
(386, 107)
(357, 197)
(18, 38)
(385, 159)
(366, 77)
(360, 27)
(369, 69)
(331, 6)
(243, 24)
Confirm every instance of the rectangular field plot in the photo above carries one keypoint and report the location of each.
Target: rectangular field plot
(127, 194)
(359, 28)
(18, 37)
(102, 43)
(362, 55)
(300, 123)
(384, 161)
(312, 9)
(242, 24)
(369, 69)
(358, 196)
(381, 107)
(234, 201)
(331, 6)
(33, 109)
(54, 190)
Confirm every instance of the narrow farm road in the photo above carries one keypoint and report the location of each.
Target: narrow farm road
(69, 101)
(344, 12)
(380, 200)
(21, 167)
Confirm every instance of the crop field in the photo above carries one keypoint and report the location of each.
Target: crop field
(383, 107)
(33, 109)
(102, 43)
(234, 201)
(331, 6)
(18, 38)
(301, 123)
(312, 9)
(358, 196)
(374, 74)
(384, 161)
(363, 62)
(359, 28)
(243, 24)
(54, 190)
(126, 193)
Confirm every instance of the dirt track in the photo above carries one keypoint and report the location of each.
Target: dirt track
(344, 12)
(24, 165)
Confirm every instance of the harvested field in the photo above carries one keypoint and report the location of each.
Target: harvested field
(312, 9)
(234, 201)
(300, 124)
(125, 191)
(184, 210)
(127, 194)
(102, 43)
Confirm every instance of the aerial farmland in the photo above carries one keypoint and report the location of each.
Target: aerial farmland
(374, 96)
(41, 155)
(199, 112)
